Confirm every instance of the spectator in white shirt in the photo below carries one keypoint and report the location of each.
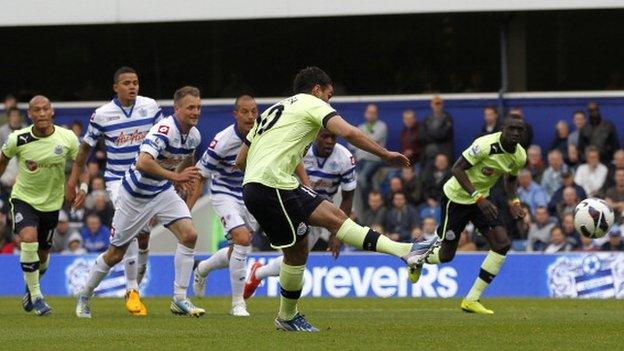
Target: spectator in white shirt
(591, 175)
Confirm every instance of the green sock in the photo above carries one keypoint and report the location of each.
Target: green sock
(434, 256)
(43, 267)
(364, 238)
(29, 259)
(291, 282)
(489, 269)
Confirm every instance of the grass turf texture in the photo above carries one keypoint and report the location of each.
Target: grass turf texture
(346, 324)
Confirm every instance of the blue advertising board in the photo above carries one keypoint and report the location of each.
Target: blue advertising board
(582, 275)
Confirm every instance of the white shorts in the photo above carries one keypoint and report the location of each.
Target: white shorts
(315, 234)
(133, 214)
(233, 214)
(113, 193)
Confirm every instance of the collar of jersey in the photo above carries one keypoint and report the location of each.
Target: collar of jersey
(502, 148)
(319, 158)
(118, 103)
(32, 126)
(238, 134)
(177, 124)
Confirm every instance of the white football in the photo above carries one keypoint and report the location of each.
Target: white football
(593, 218)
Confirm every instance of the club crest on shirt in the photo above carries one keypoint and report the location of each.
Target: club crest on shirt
(58, 149)
(333, 165)
(31, 165)
(143, 112)
(487, 171)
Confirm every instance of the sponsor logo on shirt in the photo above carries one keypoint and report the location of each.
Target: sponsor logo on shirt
(163, 130)
(474, 150)
(128, 139)
(213, 144)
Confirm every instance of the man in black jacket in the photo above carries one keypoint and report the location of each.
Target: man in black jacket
(600, 133)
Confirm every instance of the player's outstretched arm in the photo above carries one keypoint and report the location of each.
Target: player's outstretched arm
(78, 171)
(459, 172)
(241, 158)
(356, 137)
(147, 164)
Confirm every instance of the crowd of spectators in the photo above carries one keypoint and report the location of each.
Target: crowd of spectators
(582, 160)
(78, 230)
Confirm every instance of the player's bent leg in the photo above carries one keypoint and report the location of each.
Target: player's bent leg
(291, 284)
(328, 216)
(494, 260)
(241, 239)
(184, 230)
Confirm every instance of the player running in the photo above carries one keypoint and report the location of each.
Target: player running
(37, 196)
(329, 166)
(147, 192)
(276, 144)
(123, 123)
(465, 199)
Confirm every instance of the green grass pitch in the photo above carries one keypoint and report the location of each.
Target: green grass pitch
(346, 324)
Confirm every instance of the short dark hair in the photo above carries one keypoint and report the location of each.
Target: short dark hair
(122, 70)
(308, 77)
(242, 97)
(374, 193)
(578, 112)
(12, 109)
(490, 107)
(184, 91)
(398, 193)
(513, 117)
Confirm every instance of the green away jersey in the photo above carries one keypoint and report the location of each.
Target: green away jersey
(41, 166)
(489, 161)
(281, 137)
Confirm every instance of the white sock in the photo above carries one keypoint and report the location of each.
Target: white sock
(271, 269)
(131, 268)
(238, 262)
(217, 261)
(183, 262)
(143, 256)
(98, 273)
